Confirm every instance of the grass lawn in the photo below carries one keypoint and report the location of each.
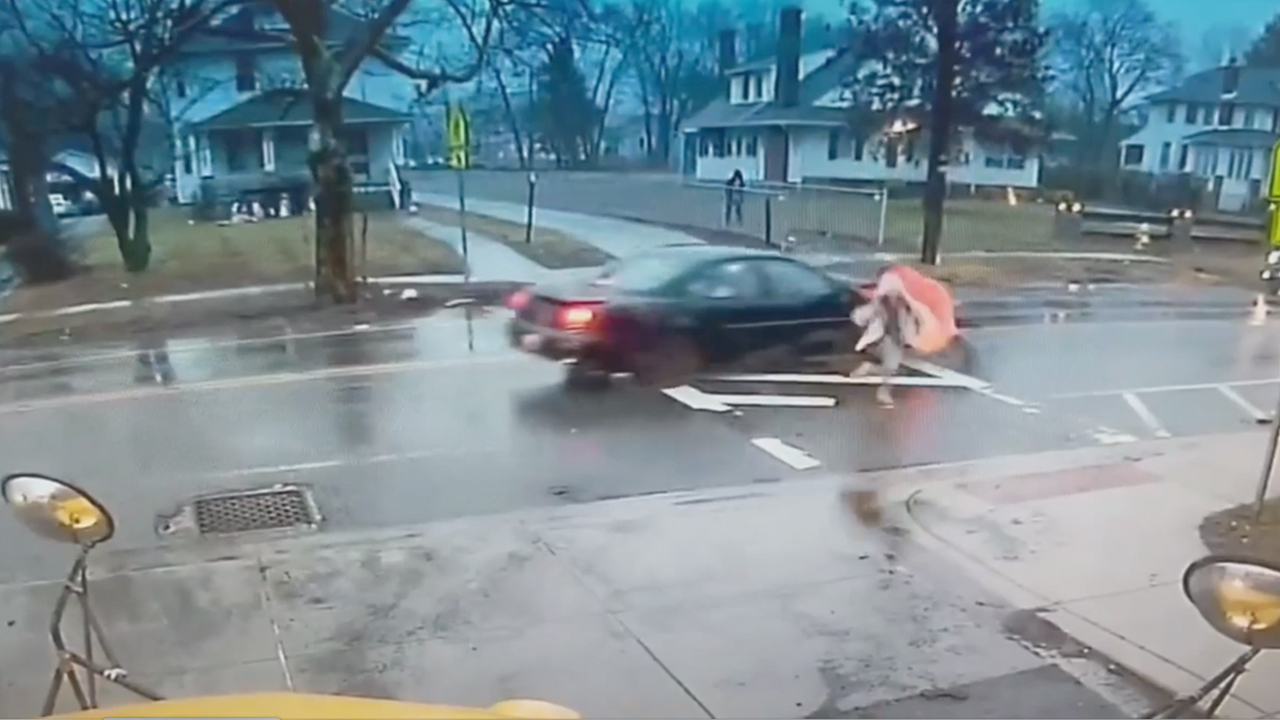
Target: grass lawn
(188, 257)
(970, 225)
(549, 248)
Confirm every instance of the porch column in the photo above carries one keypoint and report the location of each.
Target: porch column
(206, 156)
(397, 145)
(269, 150)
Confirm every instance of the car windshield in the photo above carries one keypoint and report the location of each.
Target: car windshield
(641, 274)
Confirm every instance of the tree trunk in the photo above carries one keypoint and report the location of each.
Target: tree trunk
(935, 192)
(335, 274)
(512, 121)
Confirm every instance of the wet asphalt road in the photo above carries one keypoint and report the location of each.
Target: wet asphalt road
(439, 418)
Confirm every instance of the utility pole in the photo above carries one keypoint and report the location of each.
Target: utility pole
(935, 192)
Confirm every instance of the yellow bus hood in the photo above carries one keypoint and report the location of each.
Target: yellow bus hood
(301, 706)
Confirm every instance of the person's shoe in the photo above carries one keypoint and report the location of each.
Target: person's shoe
(884, 397)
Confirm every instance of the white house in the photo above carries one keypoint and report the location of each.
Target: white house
(786, 119)
(243, 122)
(1219, 124)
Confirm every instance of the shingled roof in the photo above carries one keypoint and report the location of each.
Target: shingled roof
(1257, 86)
(275, 108)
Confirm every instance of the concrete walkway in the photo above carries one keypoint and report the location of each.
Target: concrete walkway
(761, 601)
(619, 238)
(1097, 545)
(488, 259)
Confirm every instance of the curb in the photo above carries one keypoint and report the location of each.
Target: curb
(231, 293)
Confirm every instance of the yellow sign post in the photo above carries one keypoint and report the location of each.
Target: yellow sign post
(459, 138)
(459, 129)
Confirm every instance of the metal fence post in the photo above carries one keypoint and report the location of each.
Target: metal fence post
(768, 219)
(884, 213)
(528, 221)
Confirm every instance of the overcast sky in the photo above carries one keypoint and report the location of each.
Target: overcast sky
(1196, 18)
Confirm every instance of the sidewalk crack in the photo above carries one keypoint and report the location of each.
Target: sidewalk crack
(269, 603)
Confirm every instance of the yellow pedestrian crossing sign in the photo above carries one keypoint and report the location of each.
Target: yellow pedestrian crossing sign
(459, 128)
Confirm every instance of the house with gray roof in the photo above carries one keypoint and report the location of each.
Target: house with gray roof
(243, 121)
(1219, 125)
(788, 119)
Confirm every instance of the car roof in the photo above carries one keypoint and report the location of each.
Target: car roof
(698, 252)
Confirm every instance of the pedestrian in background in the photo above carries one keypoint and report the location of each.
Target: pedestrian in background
(733, 197)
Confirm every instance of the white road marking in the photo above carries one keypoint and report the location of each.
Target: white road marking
(789, 454)
(343, 462)
(1168, 388)
(958, 378)
(694, 398)
(1107, 436)
(1250, 409)
(833, 379)
(1144, 413)
(775, 400)
(253, 381)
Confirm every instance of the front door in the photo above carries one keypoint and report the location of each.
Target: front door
(776, 152)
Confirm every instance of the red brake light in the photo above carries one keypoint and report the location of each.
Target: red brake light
(519, 299)
(577, 317)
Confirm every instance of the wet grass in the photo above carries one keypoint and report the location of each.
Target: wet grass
(190, 256)
(548, 247)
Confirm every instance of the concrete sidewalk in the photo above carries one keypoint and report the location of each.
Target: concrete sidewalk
(619, 238)
(488, 259)
(1099, 551)
(761, 601)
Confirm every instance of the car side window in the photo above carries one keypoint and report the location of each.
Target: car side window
(733, 280)
(793, 281)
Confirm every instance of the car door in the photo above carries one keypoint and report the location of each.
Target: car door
(722, 303)
(809, 312)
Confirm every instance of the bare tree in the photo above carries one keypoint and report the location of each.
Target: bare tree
(1107, 55)
(328, 65)
(103, 59)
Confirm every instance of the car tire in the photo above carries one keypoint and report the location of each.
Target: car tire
(586, 375)
(673, 362)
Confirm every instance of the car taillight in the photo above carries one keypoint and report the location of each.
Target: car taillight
(519, 299)
(577, 317)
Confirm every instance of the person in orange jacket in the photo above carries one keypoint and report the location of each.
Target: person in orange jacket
(907, 309)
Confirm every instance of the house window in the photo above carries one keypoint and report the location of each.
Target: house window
(1207, 160)
(720, 141)
(187, 161)
(243, 148)
(753, 143)
(994, 161)
(758, 78)
(1183, 153)
(1015, 162)
(1133, 155)
(859, 146)
(1226, 114)
(179, 87)
(833, 144)
(1171, 115)
(1193, 114)
(746, 88)
(704, 144)
(737, 146)
(1166, 153)
(1250, 116)
(246, 73)
(1275, 120)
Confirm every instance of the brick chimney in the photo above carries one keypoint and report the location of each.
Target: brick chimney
(1231, 77)
(786, 88)
(728, 57)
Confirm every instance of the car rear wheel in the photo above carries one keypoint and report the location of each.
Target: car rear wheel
(586, 374)
(673, 362)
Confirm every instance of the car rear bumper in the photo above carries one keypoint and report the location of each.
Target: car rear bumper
(548, 343)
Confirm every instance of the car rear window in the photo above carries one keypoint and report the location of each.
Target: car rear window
(643, 273)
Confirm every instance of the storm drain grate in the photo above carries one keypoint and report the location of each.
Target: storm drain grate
(273, 509)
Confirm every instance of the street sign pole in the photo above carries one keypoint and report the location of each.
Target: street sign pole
(460, 158)
(1268, 464)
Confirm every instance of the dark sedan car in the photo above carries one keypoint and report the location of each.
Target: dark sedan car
(678, 310)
